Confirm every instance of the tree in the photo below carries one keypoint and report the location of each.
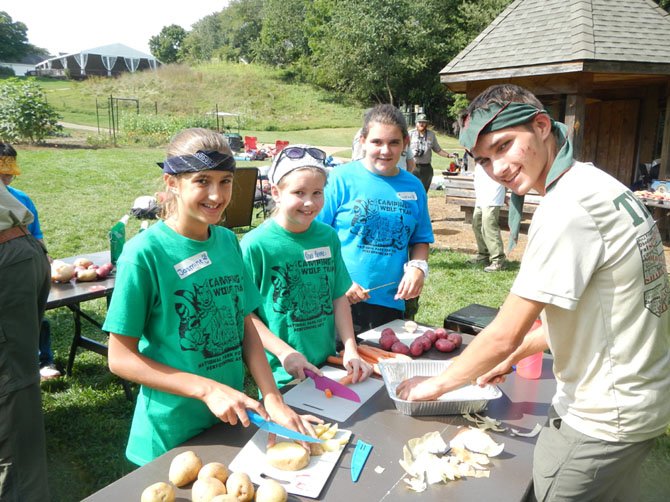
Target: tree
(230, 34)
(13, 39)
(375, 50)
(25, 114)
(166, 46)
(282, 38)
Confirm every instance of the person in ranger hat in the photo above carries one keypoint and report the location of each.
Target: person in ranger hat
(423, 143)
(179, 319)
(593, 269)
(297, 265)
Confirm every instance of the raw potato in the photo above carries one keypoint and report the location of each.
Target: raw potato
(214, 470)
(225, 498)
(61, 271)
(184, 468)
(287, 456)
(82, 262)
(240, 485)
(271, 491)
(87, 275)
(204, 490)
(158, 492)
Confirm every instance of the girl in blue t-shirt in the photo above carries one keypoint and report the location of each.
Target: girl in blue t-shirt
(380, 213)
(179, 319)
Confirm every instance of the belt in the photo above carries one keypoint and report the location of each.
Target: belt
(13, 233)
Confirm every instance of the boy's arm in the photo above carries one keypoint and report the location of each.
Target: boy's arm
(489, 348)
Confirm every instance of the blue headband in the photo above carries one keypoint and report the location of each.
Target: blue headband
(199, 161)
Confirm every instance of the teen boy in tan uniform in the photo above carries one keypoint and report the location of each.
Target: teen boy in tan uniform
(594, 270)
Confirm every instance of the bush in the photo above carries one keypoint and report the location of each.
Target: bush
(6, 71)
(155, 130)
(25, 114)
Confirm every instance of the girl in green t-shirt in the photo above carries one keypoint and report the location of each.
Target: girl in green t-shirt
(179, 319)
(297, 264)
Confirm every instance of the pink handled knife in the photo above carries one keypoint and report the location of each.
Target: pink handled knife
(339, 390)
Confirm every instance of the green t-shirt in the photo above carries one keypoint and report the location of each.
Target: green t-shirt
(186, 301)
(299, 276)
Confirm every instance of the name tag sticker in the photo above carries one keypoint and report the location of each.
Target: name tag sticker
(317, 254)
(192, 265)
(407, 195)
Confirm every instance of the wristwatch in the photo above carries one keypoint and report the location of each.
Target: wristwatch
(420, 264)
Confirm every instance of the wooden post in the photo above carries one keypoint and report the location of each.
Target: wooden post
(664, 171)
(575, 106)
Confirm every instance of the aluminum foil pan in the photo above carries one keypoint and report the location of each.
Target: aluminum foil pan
(468, 399)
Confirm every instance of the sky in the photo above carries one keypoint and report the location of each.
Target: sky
(71, 25)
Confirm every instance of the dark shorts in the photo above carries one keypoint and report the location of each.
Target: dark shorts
(367, 316)
(568, 465)
(425, 173)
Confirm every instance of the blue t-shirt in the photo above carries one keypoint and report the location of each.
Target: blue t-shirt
(377, 219)
(22, 197)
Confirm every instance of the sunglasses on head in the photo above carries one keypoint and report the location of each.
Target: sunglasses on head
(298, 152)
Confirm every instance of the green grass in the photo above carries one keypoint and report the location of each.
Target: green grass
(263, 97)
(80, 193)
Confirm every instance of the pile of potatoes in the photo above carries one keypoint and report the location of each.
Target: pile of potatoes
(444, 340)
(82, 269)
(212, 482)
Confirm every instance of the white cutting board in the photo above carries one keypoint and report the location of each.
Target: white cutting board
(307, 482)
(397, 325)
(307, 397)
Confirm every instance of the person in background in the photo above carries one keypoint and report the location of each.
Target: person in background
(8, 172)
(423, 143)
(405, 163)
(179, 320)
(593, 269)
(379, 212)
(297, 265)
(25, 278)
(489, 197)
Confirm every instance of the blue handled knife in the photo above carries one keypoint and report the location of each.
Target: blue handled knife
(278, 429)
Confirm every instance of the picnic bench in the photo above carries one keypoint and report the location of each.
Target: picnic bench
(460, 190)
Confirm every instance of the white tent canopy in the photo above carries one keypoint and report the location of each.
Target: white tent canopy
(106, 60)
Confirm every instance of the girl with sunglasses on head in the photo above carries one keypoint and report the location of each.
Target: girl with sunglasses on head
(297, 265)
(179, 318)
(380, 213)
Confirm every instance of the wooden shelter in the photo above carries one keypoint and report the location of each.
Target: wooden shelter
(600, 66)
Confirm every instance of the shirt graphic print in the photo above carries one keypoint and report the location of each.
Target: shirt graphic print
(207, 327)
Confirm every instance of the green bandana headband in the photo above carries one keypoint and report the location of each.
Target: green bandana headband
(496, 117)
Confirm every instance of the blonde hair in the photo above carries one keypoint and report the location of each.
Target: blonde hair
(188, 142)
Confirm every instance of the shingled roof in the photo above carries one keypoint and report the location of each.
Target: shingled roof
(531, 33)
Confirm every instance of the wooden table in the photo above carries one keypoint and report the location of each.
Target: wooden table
(660, 210)
(71, 295)
(523, 405)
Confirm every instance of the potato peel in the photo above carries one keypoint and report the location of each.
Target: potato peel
(536, 430)
(425, 461)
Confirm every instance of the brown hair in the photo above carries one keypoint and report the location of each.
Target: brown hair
(500, 94)
(384, 114)
(188, 142)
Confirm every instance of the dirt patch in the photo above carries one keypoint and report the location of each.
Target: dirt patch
(451, 231)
